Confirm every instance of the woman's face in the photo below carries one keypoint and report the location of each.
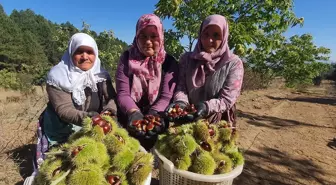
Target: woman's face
(84, 58)
(149, 41)
(211, 38)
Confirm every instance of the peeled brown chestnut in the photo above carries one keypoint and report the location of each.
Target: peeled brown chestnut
(101, 123)
(106, 128)
(206, 146)
(96, 118)
(211, 132)
(150, 126)
(74, 152)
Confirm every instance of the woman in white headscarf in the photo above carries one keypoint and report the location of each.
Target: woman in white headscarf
(77, 87)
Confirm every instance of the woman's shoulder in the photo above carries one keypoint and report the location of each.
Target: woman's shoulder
(186, 56)
(124, 57)
(103, 75)
(54, 74)
(183, 56)
(170, 58)
(233, 64)
(55, 90)
(236, 61)
(169, 62)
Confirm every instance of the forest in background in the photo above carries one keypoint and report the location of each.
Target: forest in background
(31, 44)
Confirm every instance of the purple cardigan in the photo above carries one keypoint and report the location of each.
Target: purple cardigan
(167, 87)
(221, 88)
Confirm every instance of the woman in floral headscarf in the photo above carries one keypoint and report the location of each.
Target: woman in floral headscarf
(210, 76)
(146, 77)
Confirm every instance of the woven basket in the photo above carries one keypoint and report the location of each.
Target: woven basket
(169, 175)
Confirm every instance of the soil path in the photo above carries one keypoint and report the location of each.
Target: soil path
(288, 138)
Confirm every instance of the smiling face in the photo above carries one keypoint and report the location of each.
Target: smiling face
(84, 58)
(211, 38)
(149, 41)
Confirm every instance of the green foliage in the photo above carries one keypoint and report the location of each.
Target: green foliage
(10, 80)
(256, 33)
(249, 19)
(42, 29)
(63, 32)
(2, 11)
(20, 53)
(110, 49)
(172, 43)
(295, 59)
(31, 45)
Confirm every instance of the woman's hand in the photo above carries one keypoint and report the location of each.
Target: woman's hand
(134, 116)
(187, 118)
(201, 111)
(92, 114)
(109, 111)
(158, 129)
(168, 110)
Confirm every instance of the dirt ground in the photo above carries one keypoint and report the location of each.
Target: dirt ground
(287, 136)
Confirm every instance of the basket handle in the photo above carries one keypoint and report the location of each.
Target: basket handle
(167, 164)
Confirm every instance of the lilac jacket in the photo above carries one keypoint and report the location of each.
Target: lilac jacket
(167, 87)
(221, 88)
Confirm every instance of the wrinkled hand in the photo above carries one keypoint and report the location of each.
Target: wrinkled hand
(109, 111)
(202, 111)
(92, 114)
(136, 115)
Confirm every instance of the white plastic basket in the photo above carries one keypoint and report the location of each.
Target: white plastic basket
(169, 175)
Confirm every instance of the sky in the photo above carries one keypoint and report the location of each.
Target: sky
(122, 15)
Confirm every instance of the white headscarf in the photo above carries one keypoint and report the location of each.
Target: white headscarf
(67, 77)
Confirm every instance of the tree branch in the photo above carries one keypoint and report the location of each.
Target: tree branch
(243, 15)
